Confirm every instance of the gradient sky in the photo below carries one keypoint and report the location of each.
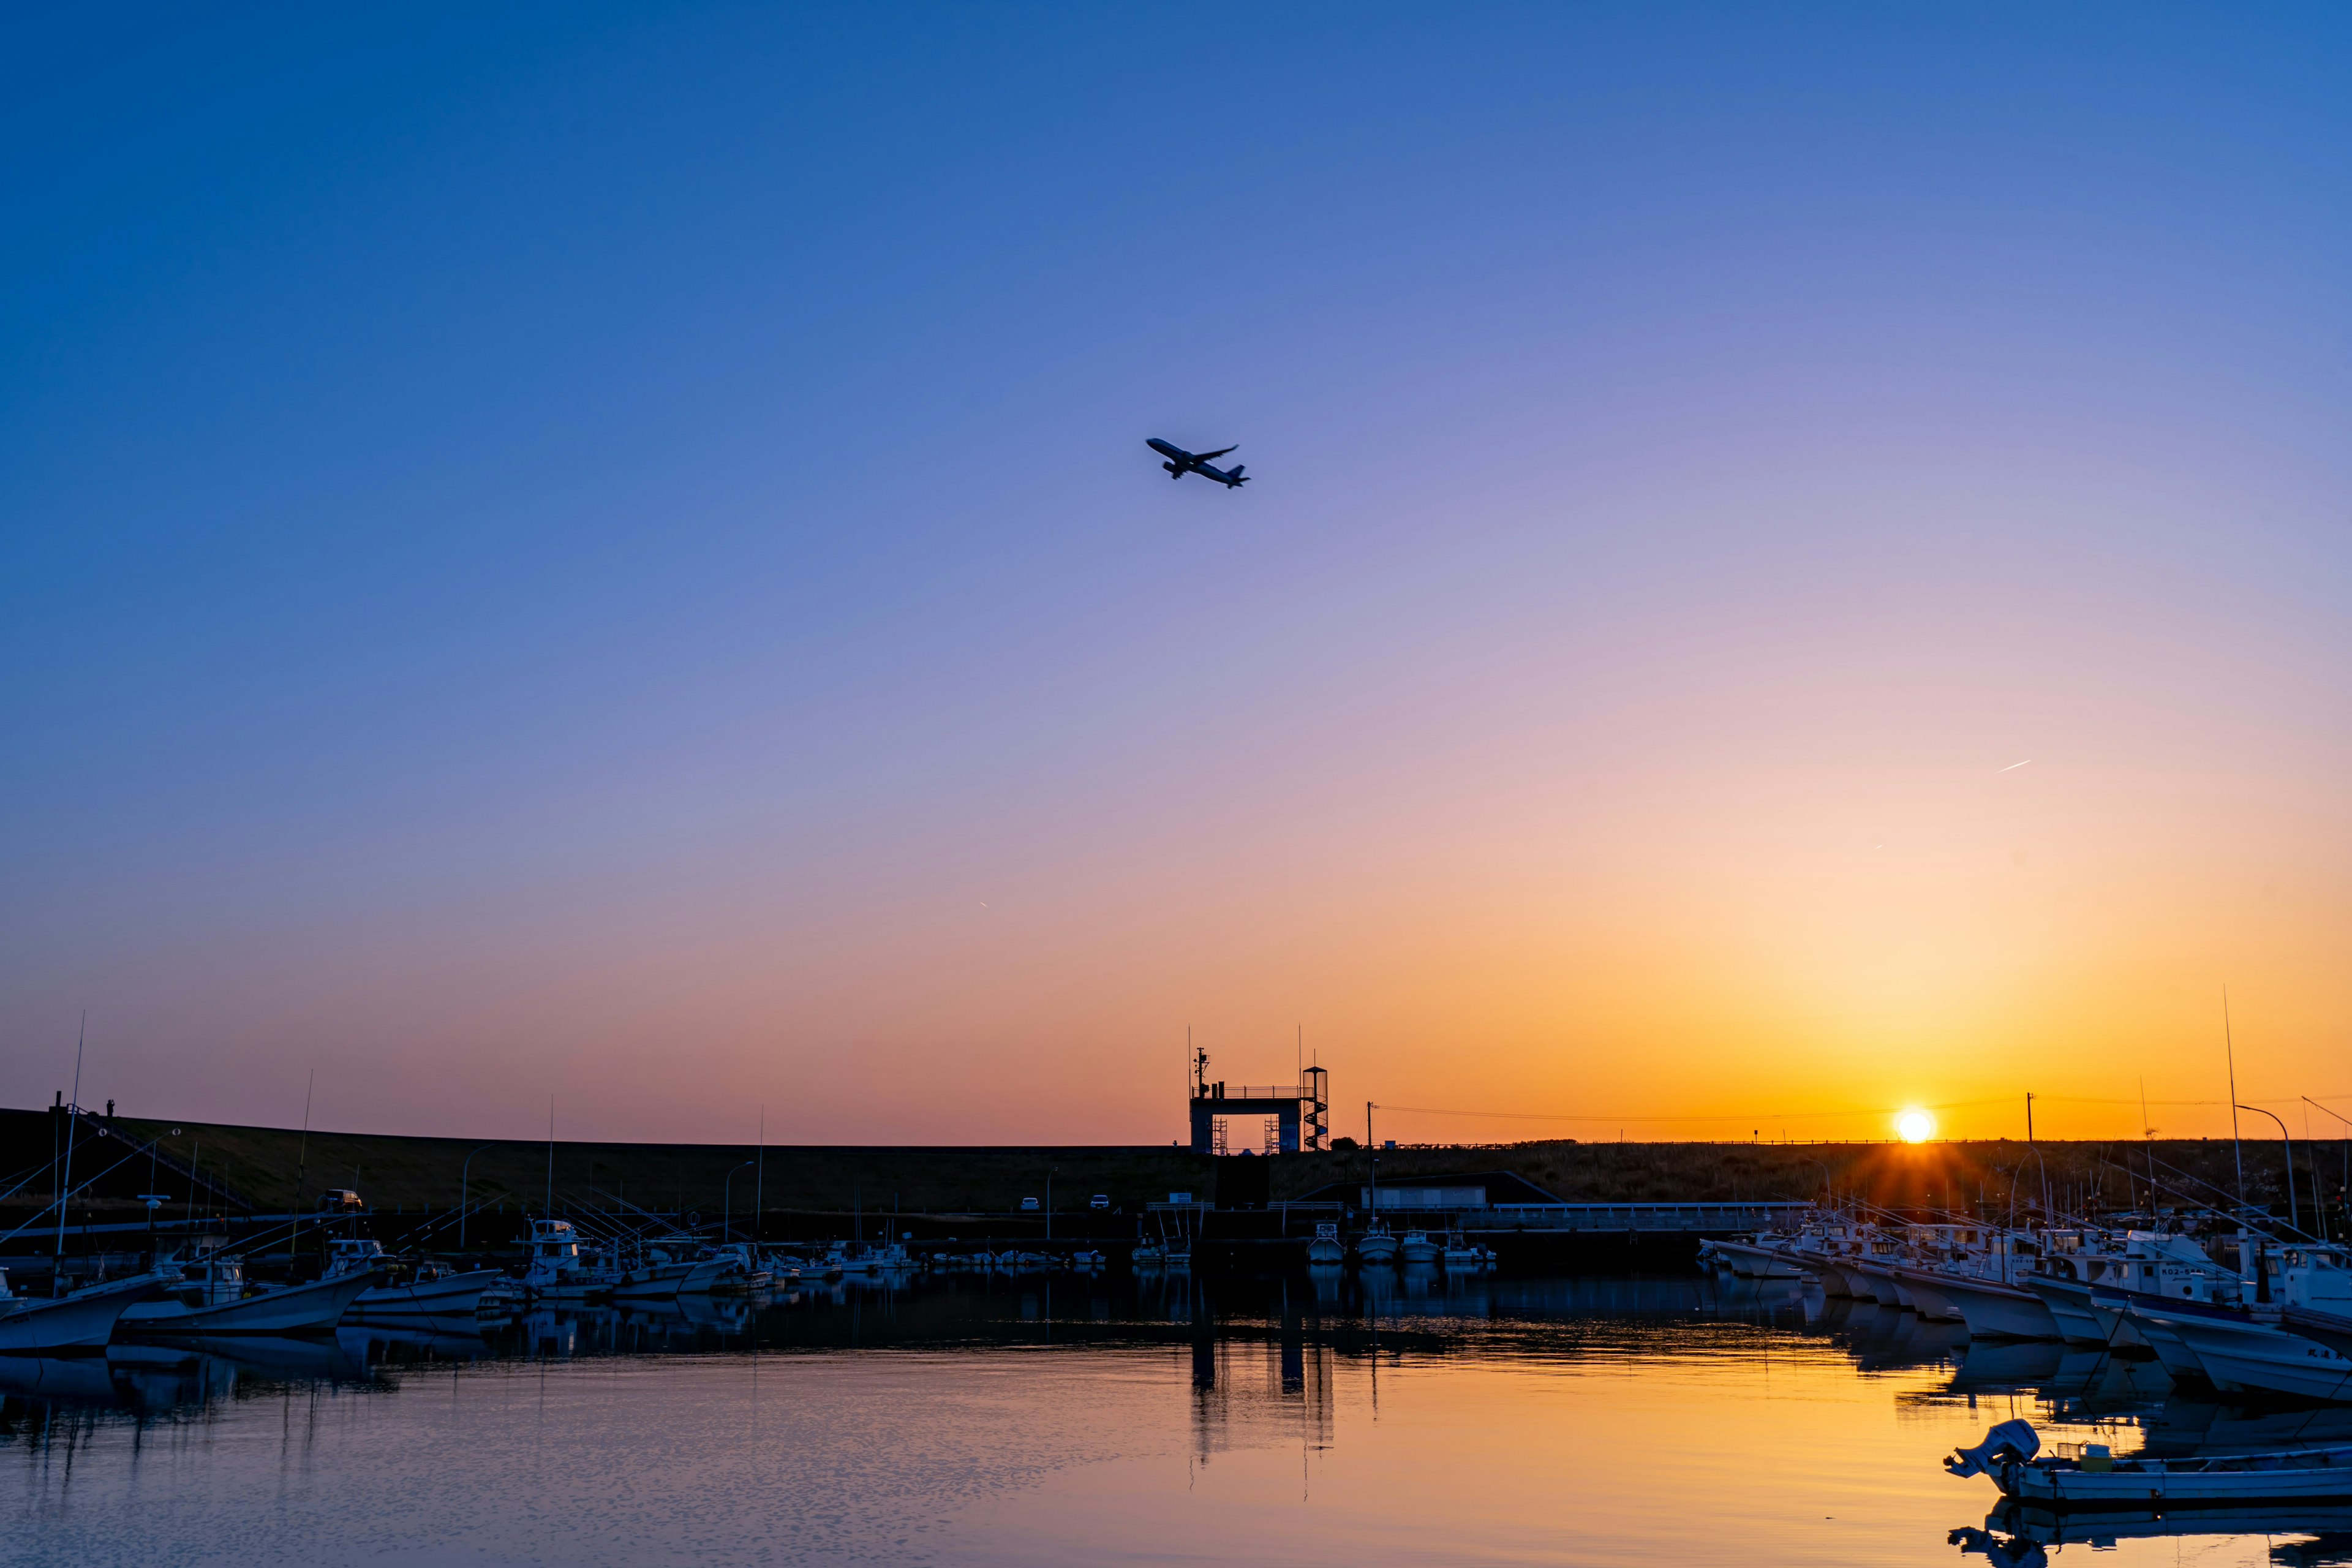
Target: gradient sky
(610, 553)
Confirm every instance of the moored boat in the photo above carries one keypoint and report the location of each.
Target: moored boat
(2098, 1480)
(429, 1291)
(1757, 1259)
(1458, 1254)
(556, 1270)
(204, 1308)
(79, 1320)
(1377, 1244)
(2240, 1354)
(1325, 1248)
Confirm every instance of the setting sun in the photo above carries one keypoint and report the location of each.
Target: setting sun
(1915, 1126)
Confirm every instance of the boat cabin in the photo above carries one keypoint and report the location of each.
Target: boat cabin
(355, 1255)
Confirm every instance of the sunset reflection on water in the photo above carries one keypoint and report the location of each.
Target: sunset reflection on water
(1060, 1420)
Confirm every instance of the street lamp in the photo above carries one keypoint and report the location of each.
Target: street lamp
(464, 1190)
(728, 1188)
(1049, 1201)
(2317, 1198)
(1829, 1185)
(2294, 1215)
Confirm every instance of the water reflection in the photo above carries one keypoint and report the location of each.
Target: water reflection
(1643, 1407)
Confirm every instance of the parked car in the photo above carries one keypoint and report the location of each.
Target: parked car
(1099, 1201)
(1028, 1206)
(341, 1200)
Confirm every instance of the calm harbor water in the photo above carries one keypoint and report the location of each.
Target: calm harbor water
(1064, 1421)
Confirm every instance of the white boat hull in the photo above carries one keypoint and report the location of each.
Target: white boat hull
(2171, 1348)
(2243, 1357)
(653, 1282)
(452, 1295)
(1833, 1278)
(2069, 1301)
(1996, 1311)
(1870, 1283)
(1750, 1261)
(2136, 1483)
(83, 1320)
(296, 1310)
(1927, 1299)
(1376, 1248)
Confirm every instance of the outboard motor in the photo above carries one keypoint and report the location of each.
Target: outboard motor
(2010, 1440)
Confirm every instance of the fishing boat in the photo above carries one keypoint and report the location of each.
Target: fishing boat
(2084, 1288)
(2096, 1478)
(1417, 1248)
(868, 1258)
(655, 1275)
(731, 1268)
(1985, 1286)
(1376, 1245)
(1326, 1247)
(1765, 1258)
(429, 1291)
(788, 1267)
(2251, 1347)
(556, 1271)
(1461, 1253)
(2241, 1355)
(79, 1320)
(212, 1297)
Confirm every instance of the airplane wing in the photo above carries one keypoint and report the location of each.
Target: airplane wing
(1205, 456)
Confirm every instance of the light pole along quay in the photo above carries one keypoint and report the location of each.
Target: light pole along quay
(727, 1186)
(464, 1190)
(2294, 1214)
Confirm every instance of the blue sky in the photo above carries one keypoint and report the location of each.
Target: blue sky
(522, 527)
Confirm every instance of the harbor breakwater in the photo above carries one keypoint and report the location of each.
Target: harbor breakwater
(226, 1169)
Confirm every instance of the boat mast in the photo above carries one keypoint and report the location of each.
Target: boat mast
(65, 1185)
(303, 1156)
(2237, 1151)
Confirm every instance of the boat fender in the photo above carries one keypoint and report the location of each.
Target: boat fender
(2009, 1440)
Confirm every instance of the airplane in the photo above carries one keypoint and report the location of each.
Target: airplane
(1182, 462)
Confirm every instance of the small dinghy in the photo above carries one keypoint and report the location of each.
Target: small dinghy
(2098, 1480)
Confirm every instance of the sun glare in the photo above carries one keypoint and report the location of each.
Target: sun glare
(1915, 1126)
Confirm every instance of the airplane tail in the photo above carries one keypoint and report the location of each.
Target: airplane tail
(1239, 477)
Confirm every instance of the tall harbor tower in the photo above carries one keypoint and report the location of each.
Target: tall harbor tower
(1272, 1119)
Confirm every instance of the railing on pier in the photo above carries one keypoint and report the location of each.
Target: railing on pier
(1619, 1219)
(1216, 1089)
(1675, 1218)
